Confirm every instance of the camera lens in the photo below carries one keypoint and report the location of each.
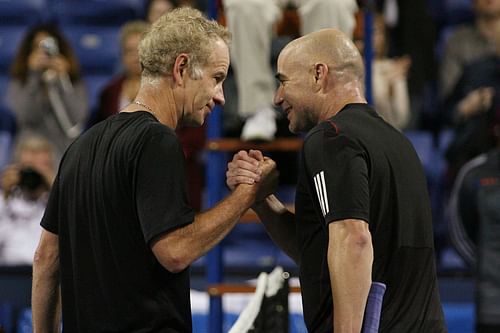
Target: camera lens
(30, 179)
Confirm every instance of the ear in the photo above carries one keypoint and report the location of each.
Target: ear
(180, 69)
(320, 75)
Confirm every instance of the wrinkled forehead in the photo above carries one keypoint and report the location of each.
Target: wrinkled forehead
(219, 55)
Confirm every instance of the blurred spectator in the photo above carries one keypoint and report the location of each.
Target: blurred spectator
(390, 88)
(468, 43)
(25, 187)
(156, 8)
(122, 89)
(251, 23)
(411, 30)
(475, 230)
(473, 105)
(46, 93)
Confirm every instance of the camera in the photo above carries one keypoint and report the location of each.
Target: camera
(49, 46)
(31, 179)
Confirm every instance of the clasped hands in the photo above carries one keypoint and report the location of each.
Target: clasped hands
(252, 168)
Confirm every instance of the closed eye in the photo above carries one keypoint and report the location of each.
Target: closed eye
(219, 77)
(281, 79)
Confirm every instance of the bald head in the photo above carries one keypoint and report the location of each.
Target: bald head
(329, 46)
(319, 74)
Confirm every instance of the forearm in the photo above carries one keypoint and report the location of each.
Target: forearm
(46, 311)
(76, 102)
(280, 225)
(181, 247)
(45, 300)
(350, 258)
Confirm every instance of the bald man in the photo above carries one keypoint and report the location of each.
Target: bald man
(362, 211)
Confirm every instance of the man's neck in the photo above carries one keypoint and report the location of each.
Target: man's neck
(160, 101)
(351, 93)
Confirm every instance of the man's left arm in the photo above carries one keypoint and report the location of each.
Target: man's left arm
(338, 168)
(350, 258)
(45, 299)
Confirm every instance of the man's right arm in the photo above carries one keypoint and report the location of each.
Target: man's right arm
(179, 248)
(45, 299)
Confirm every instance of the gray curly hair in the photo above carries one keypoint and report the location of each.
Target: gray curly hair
(183, 30)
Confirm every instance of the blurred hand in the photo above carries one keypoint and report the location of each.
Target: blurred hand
(476, 101)
(38, 60)
(9, 179)
(400, 67)
(57, 69)
(59, 64)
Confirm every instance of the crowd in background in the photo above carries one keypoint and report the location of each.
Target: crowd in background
(435, 69)
(435, 72)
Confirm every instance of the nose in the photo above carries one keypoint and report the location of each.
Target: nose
(278, 97)
(219, 95)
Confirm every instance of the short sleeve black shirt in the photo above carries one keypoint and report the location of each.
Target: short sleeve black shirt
(120, 185)
(356, 166)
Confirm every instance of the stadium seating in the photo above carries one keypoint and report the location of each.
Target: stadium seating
(23, 12)
(96, 12)
(96, 47)
(6, 316)
(10, 38)
(434, 166)
(4, 82)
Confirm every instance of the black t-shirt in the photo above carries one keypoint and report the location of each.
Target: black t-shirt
(120, 185)
(356, 166)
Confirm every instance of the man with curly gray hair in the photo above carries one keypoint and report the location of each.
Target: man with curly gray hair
(119, 233)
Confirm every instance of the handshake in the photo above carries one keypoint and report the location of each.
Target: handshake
(253, 169)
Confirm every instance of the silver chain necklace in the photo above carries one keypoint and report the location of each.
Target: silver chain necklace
(147, 107)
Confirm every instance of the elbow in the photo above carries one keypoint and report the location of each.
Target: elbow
(46, 262)
(362, 239)
(175, 261)
(358, 244)
(172, 253)
(42, 257)
(175, 265)
(359, 241)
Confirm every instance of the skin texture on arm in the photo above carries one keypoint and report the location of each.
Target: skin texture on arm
(279, 221)
(350, 259)
(179, 248)
(45, 299)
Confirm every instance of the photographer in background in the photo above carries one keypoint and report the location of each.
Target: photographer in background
(46, 92)
(25, 186)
